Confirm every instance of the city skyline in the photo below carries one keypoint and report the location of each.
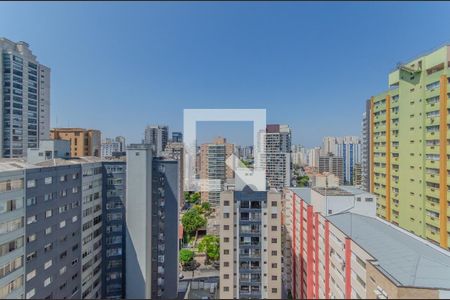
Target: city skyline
(189, 54)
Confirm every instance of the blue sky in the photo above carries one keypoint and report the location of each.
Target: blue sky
(120, 66)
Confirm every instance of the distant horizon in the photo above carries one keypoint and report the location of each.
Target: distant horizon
(118, 67)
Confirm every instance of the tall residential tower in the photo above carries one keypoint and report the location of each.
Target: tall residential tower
(25, 92)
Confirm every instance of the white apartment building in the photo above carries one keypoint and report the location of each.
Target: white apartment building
(25, 90)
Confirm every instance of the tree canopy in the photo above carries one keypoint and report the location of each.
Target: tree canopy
(192, 220)
(210, 245)
(186, 256)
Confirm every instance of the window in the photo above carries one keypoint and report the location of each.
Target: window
(31, 183)
(274, 252)
(274, 290)
(31, 238)
(31, 275)
(274, 203)
(32, 219)
(74, 190)
(48, 180)
(226, 251)
(48, 281)
(31, 256)
(31, 293)
(63, 178)
(62, 270)
(48, 213)
(226, 288)
(274, 240)
(274, 277)
(226, 227)
(48, 197)
(226, 240)
(274, 228)
(274, 265)
(62, 224)
(226, 276)
(48, 247)
(274, 216)
(226, 215)
(226, 203)
(48, 264)
(226, 264)
(74, 219)
(31, 201)
(48, 230)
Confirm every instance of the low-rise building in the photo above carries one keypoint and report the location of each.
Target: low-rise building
(351, 255)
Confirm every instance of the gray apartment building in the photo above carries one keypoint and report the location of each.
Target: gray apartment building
(152, 232)
(53, 237)
(114, 188)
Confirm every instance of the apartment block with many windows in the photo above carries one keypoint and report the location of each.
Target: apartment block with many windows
(25, 92)
(114, 190)
(250, 239)
(411, 118)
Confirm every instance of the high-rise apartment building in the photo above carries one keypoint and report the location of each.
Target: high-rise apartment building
(365, 148)
(411, 118)
(213, 169)
(276, 142)
(313, 157)
(347, 147)
(158, 137)
(250, 242)
(110, 147)
(151, 234)
(113, 266)
(83, 142)
(349, 255)
(332, 164)
(357, 175)
(61, 228)
(299, 155)
(25, 91)
(177, 137)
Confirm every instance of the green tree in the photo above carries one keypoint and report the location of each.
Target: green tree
(192, 198)
(186, 256)
(303, 181)
(210, 245)
(192, 220)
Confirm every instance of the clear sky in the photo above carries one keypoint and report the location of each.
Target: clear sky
(120, 66)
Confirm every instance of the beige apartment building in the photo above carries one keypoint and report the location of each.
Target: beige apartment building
(83, 142)
(250, 243)
(213, 169)
(354, 256)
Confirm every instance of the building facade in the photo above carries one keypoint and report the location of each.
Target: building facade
(250, 239)
(276, 142)
(151, 238)
(365, 148)
(214, 170)
(177, 137)
(113, 266)
(332, 164)
(158, 137)
(25, 91)
(83, 142)
(411, 118)
(353, 256)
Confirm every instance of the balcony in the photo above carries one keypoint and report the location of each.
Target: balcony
(432, 135)
(432, 206)
(432, 221)
(431, 107)
(432, 178)
(432, 121)
(432, 164)
(433, 192)
(433, 235)
(432, 149)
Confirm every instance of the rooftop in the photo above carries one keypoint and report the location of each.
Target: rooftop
(403, 257)
(304, 193)
(332, 191)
